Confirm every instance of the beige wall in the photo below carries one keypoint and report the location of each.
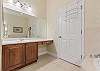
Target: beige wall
(40, 7)
(16, 21)
(92, 27)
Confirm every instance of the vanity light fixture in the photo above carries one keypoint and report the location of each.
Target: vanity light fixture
(23, 5)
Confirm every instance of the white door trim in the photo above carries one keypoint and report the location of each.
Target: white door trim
(83, 29)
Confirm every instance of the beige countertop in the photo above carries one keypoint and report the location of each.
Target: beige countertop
(23, 40)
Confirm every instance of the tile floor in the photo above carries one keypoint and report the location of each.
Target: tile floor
(59, 65)
(49, 63)
(42, 61)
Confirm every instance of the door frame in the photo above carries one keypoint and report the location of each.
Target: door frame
(83, 29)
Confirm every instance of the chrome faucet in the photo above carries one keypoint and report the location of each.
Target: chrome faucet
(29, 32)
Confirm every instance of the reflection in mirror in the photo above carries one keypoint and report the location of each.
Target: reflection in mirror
(20, 21)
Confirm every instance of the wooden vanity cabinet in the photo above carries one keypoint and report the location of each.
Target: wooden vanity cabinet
(31, 52)
(13, 56)
(18, 55)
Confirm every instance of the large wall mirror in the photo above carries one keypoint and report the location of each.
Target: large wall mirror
(20, 20)
(15, 25)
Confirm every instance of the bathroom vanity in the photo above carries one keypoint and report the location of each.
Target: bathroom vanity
(21, 53)
(22, 33)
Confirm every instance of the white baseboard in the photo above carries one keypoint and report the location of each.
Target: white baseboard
(42, 53)
(52, 54)
(46, 52)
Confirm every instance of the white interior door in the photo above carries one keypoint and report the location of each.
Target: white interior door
(70, 34)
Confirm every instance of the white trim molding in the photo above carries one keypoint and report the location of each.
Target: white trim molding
(42, 53)
(52, 54)
(49, 53)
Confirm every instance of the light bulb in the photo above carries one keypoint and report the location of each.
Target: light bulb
(18, 4)
(29, 8)
(5, 28)
(10, 1)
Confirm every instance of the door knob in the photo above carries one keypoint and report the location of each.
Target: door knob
(59, 36)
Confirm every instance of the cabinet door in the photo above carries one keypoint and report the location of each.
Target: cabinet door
(31, 52)
(13, 56)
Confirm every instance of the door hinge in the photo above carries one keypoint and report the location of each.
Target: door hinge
(59, 36)
(81, 31)
(81, 57)
(81, 6)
